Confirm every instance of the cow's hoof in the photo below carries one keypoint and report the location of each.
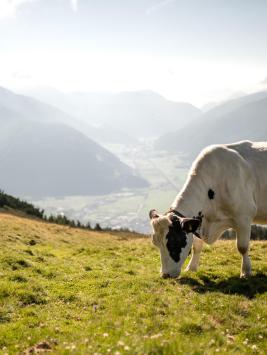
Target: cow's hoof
(245, 276)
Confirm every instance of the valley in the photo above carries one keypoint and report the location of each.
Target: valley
(128, 208)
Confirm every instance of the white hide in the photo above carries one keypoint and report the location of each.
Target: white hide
(237, 174)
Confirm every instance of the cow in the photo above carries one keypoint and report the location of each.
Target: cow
(226, 187)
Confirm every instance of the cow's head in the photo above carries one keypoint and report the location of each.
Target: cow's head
(173, 236)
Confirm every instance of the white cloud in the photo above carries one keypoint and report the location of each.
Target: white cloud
(176, 78)
(74, 5)
(158, 6)
(9, 8)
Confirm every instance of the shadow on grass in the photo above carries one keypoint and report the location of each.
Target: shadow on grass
(255, 285)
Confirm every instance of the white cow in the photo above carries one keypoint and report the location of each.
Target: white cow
(225, 188)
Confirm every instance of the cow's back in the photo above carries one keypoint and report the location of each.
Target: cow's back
(255, 154)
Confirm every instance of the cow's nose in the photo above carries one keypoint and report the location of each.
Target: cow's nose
(165, 276)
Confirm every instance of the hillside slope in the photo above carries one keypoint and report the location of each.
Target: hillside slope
(249, 121)
(76, 291)
(52, 159)
(42, 156)
(233, 104)
(23, 107)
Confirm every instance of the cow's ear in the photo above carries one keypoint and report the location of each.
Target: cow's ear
(153, 214)
(190, 225)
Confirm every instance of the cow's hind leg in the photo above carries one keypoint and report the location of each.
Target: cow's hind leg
(194, 261)
(242, 240)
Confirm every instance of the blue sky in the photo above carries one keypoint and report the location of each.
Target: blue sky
(191, 50)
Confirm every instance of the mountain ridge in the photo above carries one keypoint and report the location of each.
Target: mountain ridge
(137, 113)
(52, 158)
(244, 121)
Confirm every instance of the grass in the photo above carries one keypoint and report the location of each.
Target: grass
(86, 292)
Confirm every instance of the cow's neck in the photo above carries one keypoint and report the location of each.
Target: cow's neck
(189, 201)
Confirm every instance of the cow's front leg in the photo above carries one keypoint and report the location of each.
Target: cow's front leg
(194, 261)
(243, 232)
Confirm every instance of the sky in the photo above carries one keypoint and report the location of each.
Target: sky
(197, 51)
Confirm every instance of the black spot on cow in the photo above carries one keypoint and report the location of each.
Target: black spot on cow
(211, 194)
(176, 239)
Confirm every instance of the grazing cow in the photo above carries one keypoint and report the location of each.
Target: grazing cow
(225, 188)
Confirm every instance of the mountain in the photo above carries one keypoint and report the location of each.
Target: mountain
(41, 156)
(7, 115)
(138, 114)
(24, 107)
(233, 104)
(21, 106)
(244, 118)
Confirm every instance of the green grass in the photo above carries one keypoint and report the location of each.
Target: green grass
(87, 292)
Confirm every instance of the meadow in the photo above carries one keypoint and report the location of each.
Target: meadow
(71, 291)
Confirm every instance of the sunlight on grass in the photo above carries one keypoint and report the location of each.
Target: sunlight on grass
(88, 292)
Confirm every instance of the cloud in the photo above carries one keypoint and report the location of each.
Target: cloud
(19, 75)
(74, 5)
(158, 6)
(9, 8)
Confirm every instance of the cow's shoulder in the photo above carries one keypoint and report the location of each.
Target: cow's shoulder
(213, 156)
(222, 161)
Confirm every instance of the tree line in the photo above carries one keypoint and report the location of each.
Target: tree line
(8, 201)
(257, 233)
(15, 203)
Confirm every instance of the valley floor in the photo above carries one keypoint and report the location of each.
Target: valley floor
(84, 292)
(165, 172)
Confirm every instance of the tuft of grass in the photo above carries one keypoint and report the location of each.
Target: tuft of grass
(30, 298)
(18, 278)
(68, 298)
(4, 316)
(84, 292)
(16, 263)
(191, 328)
(87, 268)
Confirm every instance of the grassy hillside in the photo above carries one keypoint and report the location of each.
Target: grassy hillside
(86, 292)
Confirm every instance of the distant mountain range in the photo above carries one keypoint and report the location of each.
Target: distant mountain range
(23, 107)
(137, 114)
(234, 120)
(42, 156)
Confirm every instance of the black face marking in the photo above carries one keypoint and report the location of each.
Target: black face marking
(211, 194)
(176, 239)
(199, 216)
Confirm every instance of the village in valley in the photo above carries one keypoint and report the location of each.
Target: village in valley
(128, 209)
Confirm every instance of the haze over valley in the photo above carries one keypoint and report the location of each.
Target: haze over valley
(78, 166)
(104, 105)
